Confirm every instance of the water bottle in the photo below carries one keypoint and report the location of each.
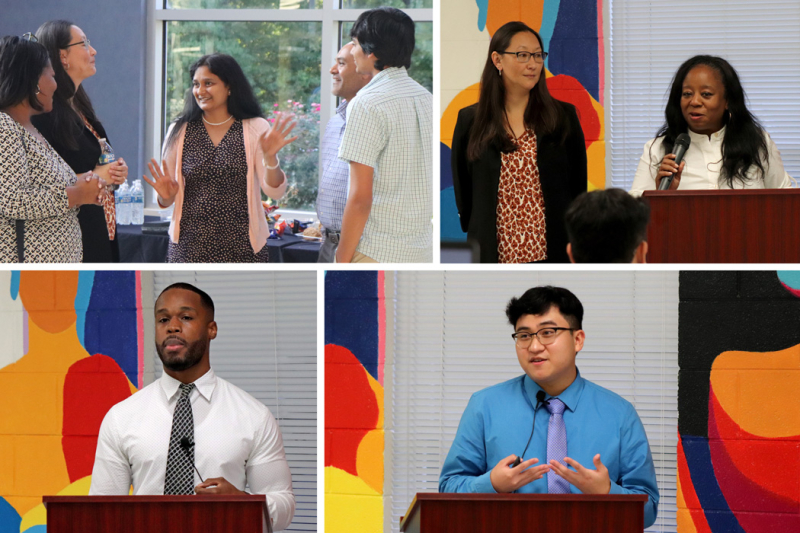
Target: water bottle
(137, 203)
(118, 204)
(124, 212)
(106, 158)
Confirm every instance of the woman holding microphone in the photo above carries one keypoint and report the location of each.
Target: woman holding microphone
(728, 150)
(518, 157)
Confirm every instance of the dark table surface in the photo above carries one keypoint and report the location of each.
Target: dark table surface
(138, 247)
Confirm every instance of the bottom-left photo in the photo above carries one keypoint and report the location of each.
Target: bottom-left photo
(185, 385)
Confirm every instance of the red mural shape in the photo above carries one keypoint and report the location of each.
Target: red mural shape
(568, 89)
(92, 386)
(346, 386)
(753, 473)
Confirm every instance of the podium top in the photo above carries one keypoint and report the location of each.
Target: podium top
(721, 192)
(191, 498)
(422, 497)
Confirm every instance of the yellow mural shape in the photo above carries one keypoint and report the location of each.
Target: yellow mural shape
(772, 377)
(38, 515)
(354, 506)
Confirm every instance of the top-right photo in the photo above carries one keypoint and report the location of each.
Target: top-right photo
(619, 131)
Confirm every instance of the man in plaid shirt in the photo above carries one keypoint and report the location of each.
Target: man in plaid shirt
(388, 144)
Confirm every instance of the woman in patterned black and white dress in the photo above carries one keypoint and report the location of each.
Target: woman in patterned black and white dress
(219, 154)
(39, 193)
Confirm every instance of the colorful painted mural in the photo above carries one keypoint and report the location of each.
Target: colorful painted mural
(72, 346)
(739, 419)
(573, 36)
(355, 325)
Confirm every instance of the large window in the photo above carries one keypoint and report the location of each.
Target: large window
(286, 48)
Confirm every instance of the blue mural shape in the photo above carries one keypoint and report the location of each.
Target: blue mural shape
(351, 315)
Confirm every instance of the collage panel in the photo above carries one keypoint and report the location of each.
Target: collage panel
(163, 383)
(551, 111)
(655, 373)
(251, 132)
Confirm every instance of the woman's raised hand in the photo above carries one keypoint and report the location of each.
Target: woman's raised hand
(276, 138)
(165, 185)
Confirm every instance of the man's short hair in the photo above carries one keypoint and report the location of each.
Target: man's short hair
(388, 33)
(606, 226)
(539, 300)
(206, 300)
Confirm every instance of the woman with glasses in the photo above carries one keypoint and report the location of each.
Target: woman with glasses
(72, 128)
(728, 150)
(39, 192)
(220, 153)
(518, 157)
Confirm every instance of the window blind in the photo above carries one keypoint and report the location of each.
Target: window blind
(648, 42)
(267, 346)
(451, 338)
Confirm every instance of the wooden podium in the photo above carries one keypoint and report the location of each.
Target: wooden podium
(510, 513)
(148, 514)
(724, 226)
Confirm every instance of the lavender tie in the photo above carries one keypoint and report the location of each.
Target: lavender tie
(556, 445)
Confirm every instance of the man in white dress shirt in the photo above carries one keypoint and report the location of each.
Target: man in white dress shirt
(191, 419)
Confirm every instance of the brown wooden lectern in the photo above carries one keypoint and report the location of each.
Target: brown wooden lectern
(509, 513)
(149, 514)
(724, 226)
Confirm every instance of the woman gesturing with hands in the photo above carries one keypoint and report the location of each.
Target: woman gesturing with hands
(220, 153)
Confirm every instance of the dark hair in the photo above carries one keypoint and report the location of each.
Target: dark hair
(55, 35)
(606, 226)
(21, 65)
(388, 33)
(544, 113)
(208, 303)
(242, 103)
(539, 300)
(744, 144)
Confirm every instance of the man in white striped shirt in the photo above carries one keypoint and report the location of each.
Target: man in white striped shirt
(388, 143)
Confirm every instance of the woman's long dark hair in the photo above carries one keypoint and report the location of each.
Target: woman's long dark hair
(55, 35)
(543, 114)
(242, 103)
(744, 145)
(21, 65)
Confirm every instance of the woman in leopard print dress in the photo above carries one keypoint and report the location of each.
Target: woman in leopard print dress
(39, 193)
(518, 156)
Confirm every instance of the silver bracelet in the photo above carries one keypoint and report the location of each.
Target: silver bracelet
(269, 167)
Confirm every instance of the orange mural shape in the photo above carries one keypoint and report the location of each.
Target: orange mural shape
(49, 298)
(527, 11)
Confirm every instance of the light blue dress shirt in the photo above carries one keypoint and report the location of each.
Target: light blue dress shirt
(497, 423)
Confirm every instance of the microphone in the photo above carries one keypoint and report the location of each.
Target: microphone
(679, 149)
(539, 399)
(186, 445)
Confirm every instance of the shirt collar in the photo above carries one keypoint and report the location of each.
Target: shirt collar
(701, 137)
(204, 385)
(389, 73)
(571, 396)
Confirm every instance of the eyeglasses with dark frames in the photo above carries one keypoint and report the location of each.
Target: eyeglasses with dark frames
(28, 36)
(84, 42)
(546, 336)
(524, 57)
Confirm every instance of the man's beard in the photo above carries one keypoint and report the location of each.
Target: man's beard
(193, 355)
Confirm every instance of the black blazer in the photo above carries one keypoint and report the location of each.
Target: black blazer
(97, 248)
(562, 172)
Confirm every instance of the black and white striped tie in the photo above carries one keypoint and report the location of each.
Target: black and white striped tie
(180, 462)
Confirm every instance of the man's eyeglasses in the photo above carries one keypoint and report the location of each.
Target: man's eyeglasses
(84, 42)
(524, 57)
(545, 335)
(29, 37)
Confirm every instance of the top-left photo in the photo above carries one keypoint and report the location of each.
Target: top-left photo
(216, 131)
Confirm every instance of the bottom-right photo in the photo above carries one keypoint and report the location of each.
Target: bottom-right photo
(573, 401)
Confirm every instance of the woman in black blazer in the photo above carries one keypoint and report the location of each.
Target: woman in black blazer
(514, 109)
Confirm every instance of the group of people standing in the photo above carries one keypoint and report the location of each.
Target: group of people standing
(519, 158)
(57, 203)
